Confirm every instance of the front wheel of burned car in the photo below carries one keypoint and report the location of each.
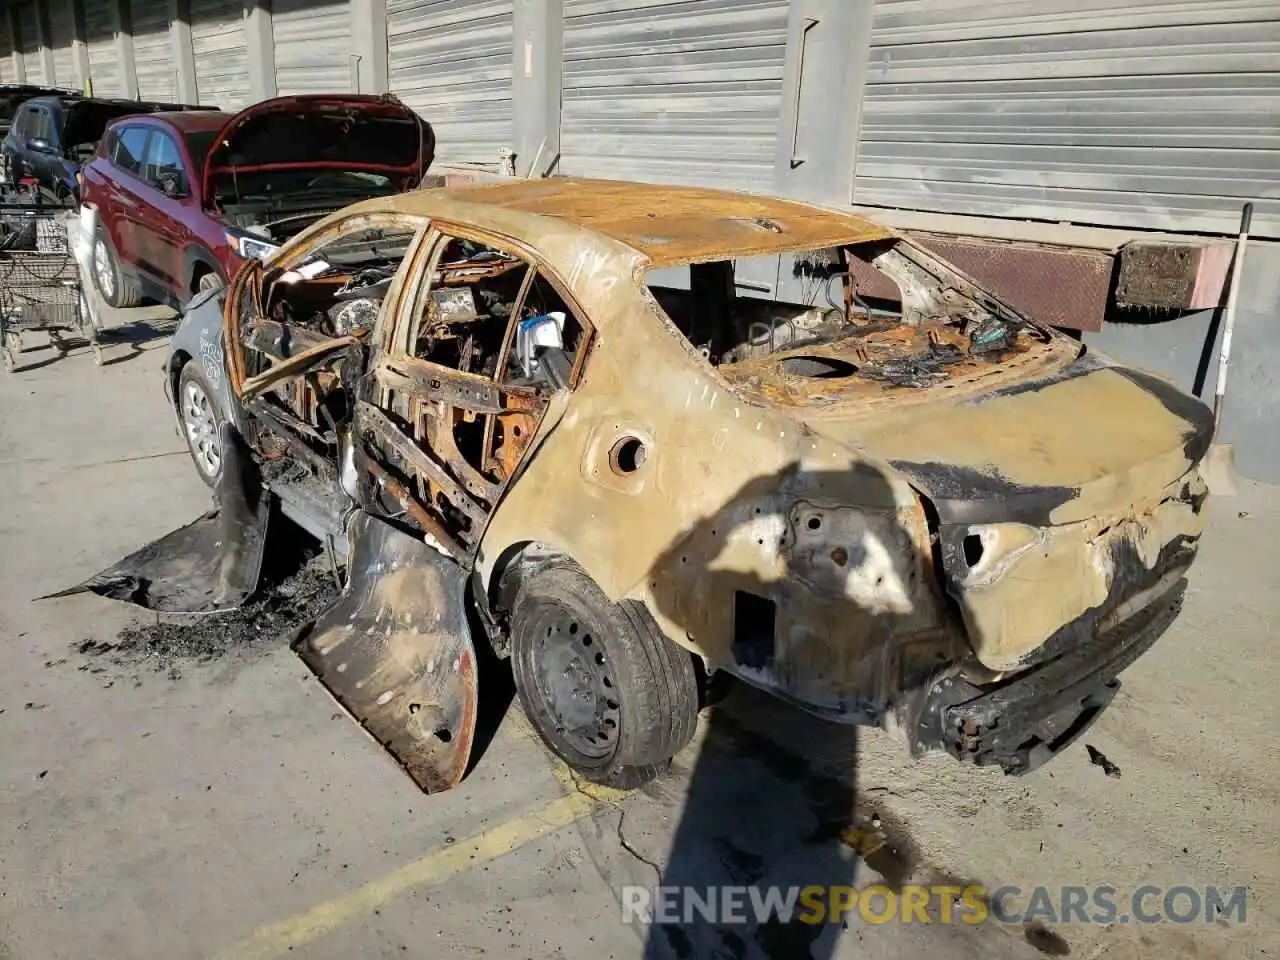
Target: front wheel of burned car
(201, 422)
(605, 690)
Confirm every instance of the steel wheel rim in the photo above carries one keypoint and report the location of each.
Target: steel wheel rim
(102, 270)
(573, 683)
(202, 429)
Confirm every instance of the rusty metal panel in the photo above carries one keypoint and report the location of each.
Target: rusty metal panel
(681, 224)
(395, 651)
(1060, 286)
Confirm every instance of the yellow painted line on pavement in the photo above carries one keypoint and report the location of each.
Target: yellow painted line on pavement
(580, 799)
(277, 939)
(568, 780)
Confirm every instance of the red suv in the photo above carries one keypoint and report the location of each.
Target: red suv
(184, 199)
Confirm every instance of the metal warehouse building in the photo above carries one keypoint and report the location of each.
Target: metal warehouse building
(1085, 157)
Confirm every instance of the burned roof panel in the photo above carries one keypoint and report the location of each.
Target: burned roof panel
(674, 224)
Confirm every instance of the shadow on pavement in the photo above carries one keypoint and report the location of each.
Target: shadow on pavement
(774, 806)
(136, 335)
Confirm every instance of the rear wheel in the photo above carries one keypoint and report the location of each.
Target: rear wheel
(605, 690)
(117, 288)
(201, 422)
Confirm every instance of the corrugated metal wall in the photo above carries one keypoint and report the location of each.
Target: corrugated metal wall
(450, 60)
(312, 46)
(153, 50)
(221, 53)
(100, 35)
(29, 42)
(681, 92)
(7, 72)
(62, 35)
(1156, 114)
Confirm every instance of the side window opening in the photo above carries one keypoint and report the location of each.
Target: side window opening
(338, 290)
(474, 291)
(490, 344)
(44, 127)
(546, 339)
(463, 325)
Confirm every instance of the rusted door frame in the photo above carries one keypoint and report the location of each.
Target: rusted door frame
(415, 472)
(240, 336)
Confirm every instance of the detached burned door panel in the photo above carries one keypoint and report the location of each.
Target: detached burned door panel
(453, 408)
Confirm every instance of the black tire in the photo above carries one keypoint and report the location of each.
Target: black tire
(125, 290)
(574, 652)
(202, 442)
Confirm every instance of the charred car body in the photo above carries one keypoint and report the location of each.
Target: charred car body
(890, 499)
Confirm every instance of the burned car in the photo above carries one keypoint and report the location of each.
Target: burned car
(639, 434)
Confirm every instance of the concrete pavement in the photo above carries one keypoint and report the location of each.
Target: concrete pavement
(229, 809)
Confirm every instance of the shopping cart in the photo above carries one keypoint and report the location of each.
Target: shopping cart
(39, 278)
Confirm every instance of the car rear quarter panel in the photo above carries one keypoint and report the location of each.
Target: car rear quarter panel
(722, 503)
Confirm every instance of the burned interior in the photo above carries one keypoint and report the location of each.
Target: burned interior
(447, 411)
(822, 325)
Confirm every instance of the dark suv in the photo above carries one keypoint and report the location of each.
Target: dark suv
(183, 200)
(51, 136)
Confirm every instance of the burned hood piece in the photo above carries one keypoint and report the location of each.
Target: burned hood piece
(209, 565)
(343, 146)
(396, 652)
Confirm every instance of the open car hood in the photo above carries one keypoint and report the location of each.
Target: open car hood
(352, 133)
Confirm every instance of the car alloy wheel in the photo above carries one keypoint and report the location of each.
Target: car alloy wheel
(104, 271)
(201, 426)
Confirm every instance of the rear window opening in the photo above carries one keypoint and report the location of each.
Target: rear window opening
(886, 312)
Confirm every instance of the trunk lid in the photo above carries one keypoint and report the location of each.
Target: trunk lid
(345, 146)
(1090, 440)
(1068, 504)
(1046, 436)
